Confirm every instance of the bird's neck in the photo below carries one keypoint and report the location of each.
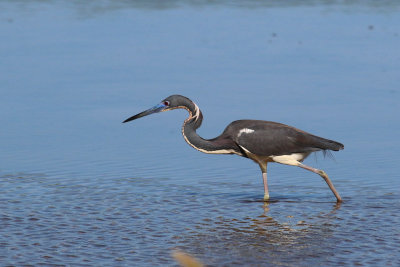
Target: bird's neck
(213, 146)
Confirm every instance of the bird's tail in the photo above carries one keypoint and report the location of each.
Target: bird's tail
(327, 144)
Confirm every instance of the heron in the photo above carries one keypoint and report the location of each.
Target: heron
(261, 141)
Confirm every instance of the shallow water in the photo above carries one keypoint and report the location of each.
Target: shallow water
(78, 187)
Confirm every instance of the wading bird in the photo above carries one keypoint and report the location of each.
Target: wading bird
(261, 141)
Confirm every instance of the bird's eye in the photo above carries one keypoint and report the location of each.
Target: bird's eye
(166, 103)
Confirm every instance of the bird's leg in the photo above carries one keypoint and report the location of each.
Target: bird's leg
(325, 177)
(263, 167)
(266, 192)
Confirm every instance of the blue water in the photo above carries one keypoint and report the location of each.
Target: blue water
(78, 187)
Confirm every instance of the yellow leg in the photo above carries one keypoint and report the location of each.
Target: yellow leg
(326, 178)
(266, 192)
(263, 166)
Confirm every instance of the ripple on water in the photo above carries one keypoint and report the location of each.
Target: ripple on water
(46, 220)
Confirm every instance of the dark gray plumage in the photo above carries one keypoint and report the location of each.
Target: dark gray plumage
(261, 141)
(277, 138)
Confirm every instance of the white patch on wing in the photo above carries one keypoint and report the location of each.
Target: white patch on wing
(245, 130)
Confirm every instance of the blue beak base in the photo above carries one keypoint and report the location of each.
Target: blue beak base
(158, 108)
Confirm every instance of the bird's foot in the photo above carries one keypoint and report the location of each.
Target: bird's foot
(266, 197)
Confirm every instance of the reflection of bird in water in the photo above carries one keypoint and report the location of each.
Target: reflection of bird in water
(247, 241)
(290, 229)
(261, 141)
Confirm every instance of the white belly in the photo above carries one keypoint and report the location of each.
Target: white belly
(291, 159)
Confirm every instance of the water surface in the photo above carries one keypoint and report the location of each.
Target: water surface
(78, 187)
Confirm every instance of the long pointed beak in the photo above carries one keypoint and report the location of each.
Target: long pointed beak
(155, 109)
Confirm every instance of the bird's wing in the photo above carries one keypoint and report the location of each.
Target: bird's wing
(265, 138)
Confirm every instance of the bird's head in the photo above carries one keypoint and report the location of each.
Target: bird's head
(169, 103)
